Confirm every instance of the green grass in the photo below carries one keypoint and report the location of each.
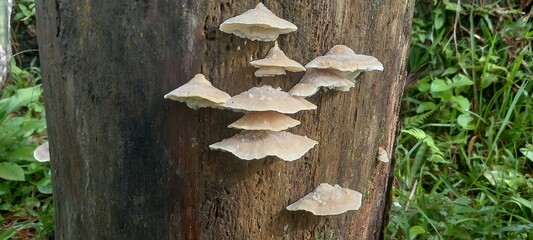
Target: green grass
(465, 153)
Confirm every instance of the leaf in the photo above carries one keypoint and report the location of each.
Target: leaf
(11, 171)
(415, 230)
(461, 80)
(22, 97)
(21, 153)
(460, 103)
(522, 202)
(426, 106)
(438, 19)
(448, 71)
(528, 151)
(45, 185)
(439, 85)
(463, 120)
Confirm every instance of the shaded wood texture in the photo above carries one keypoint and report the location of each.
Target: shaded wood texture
(128, 164)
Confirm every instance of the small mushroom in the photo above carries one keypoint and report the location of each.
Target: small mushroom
(382, 155)
(276, 63)
(267, 98)
(249, 145)
(314, 79)
(268, 120)
(343, 61)
(42, 153)
(258, 24)
(328, 200)
(198, 93)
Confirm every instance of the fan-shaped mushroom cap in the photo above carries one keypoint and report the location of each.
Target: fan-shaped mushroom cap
(344, 59)
(268, 120)
(314, 79)
(328, 200)
(277, 58)
(249, 145)
(42, 152)
(199, 92)
(382, 155)
(267, 98)
(258, 24)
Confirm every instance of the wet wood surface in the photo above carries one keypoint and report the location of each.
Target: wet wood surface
(128, 164)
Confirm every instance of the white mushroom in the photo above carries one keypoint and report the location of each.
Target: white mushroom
(268, 120)
(42, 152)
(328, 200)
(198, 93)
(249, 145)
(343, 61)
(267, 98)
(382, 155)
(258, 24)
(276, 63)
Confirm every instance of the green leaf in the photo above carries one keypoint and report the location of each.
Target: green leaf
(463, 120)
(460, 103)
(461, 80)
(415, 230)
(426, 106)
(438, 19)
(45, 185)
(448, 71)
(11, 171)
(528, 151)
(439, 85)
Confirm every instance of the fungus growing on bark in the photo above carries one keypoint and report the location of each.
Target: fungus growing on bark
(328, 200)
(198, 93)
(42, 152)
(258, 24)
(276, 63)
(382, 155)
(314, 79)
(343, 61)
(249, 145)
(268, 120)
(267, 98)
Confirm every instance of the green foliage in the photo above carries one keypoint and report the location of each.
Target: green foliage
(464, 158)
(26, 209)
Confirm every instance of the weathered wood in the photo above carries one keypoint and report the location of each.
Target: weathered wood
(5, 44)
(128, 164)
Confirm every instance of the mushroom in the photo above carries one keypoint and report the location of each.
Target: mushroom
(328, 200)
(382, 155)
(258, 24)
(249, 145)
(268, 120)
(267, 98)
(343, 61)
(198, 93)
(42, 153)
(314, 79)
(276, 63)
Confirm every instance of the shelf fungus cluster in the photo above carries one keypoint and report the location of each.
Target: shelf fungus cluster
(336, 70)
(263, 127)
(264, 123)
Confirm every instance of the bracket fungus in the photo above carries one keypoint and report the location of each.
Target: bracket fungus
(268, 120)
(198, 93)
(343, 61)
(258, 24)
(328, 200)
(42, 152)
(314, 79)
(382, 155)
(275, 63)
(249, 145)
(267, 98)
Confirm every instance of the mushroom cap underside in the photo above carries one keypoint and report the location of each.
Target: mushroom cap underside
(267, 98)
(268, 120)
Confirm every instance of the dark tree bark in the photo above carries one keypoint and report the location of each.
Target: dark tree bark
(128, 164)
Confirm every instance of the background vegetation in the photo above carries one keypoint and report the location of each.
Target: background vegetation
(465, 154)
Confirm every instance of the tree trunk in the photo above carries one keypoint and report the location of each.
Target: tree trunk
(128, 164)
(5, 43)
